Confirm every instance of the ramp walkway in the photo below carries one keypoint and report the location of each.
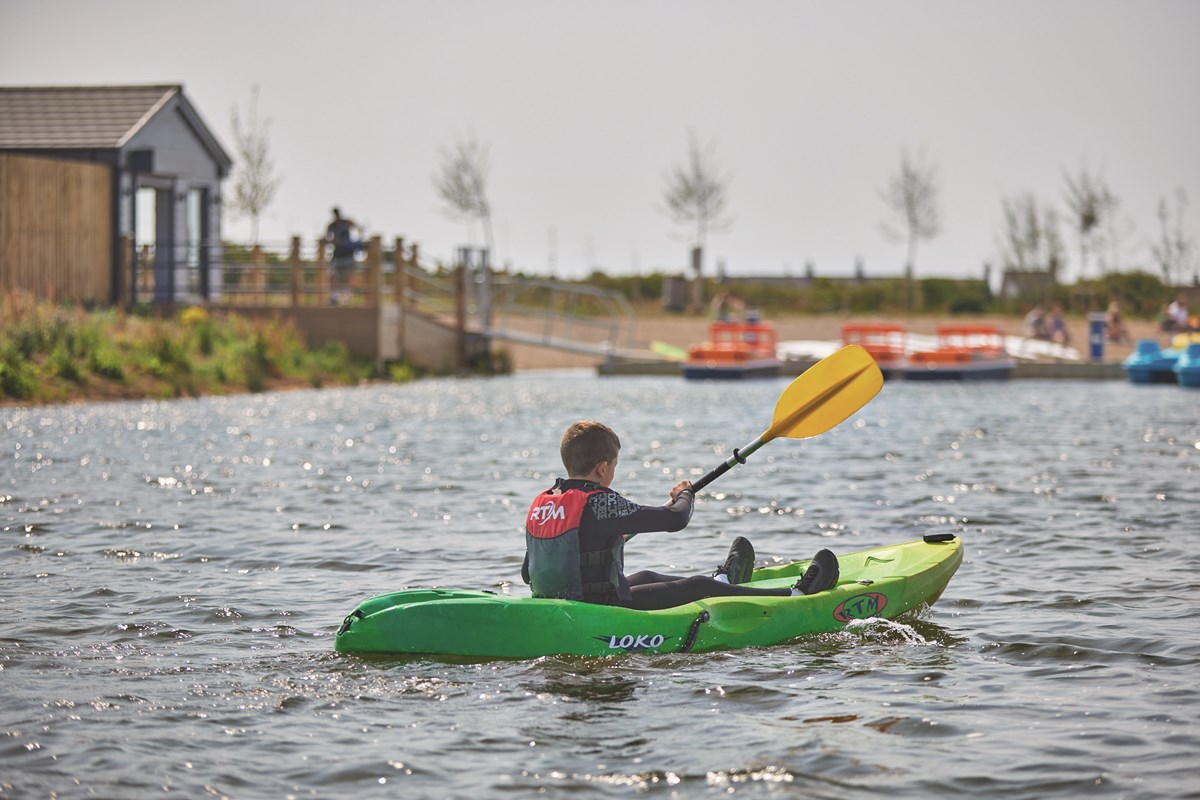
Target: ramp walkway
(444, 318)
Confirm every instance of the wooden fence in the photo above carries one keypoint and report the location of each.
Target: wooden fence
(389, 307)
(55, 228)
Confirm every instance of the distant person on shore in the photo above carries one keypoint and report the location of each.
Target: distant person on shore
(576, 530)
(1058, 327)
(726, 307)
(1177, 319)
(343, 236)
(1035, 323)
(1114, 325)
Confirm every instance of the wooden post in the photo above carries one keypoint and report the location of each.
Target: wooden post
(297, 271)
(414, 261)
(322, 276)
(375, 272)
(125, 275)
(398, 271)
(258, 273)
(399, 283)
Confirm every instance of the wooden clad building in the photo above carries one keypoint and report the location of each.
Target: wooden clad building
(83, 167)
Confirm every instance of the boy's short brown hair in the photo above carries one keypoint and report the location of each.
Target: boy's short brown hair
(585, 444)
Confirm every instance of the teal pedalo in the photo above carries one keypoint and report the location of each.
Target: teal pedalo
(1149, 363)
(1187, 368)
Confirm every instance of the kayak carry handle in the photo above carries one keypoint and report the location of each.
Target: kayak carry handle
(349, 620)
(690, 641)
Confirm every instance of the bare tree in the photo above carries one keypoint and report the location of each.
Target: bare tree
(1175, 250)
(256, 183)
(1113, 240)
(911, 195)
(696, 194)
(461, 182)
(1031, 239)
(1091, 205)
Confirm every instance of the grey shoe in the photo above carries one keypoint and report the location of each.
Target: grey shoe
(739, 564)
(821, 574)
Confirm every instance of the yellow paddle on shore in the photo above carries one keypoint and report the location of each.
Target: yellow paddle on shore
(823, 396)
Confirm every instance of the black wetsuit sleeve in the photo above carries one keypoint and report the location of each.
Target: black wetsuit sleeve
(614, 515)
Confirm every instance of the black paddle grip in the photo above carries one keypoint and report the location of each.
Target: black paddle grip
(719, 471)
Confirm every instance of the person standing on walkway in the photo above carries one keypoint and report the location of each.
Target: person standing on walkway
(342, 235)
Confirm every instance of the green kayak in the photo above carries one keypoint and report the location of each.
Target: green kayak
(881, 582)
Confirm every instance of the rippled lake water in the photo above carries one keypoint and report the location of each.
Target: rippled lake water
(172, 574)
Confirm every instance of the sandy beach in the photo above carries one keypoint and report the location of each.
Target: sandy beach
(681, 330)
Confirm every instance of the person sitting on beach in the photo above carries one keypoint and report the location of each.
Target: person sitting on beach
(1114, 326)
(575, 534)
(1058, 327)
(1177, 319)
(1035, 323)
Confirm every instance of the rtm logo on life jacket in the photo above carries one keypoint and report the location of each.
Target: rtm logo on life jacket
(629, 642)
(547, 511)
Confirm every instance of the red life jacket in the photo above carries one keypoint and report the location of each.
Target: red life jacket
(559, 563)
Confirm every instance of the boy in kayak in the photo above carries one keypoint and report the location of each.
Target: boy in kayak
(575, 536)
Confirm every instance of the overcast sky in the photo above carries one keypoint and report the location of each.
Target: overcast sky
(585, 106)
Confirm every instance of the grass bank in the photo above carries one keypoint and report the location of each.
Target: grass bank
(54, 354)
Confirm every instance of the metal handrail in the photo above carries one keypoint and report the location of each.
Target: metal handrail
(557, 314)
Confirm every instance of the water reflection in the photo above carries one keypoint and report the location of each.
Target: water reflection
(199, 555)
(586, 690)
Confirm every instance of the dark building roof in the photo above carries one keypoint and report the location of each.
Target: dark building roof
(88, 117)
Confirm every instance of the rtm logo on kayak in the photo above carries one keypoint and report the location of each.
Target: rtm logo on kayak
(861, 606)
(547, 511)
(631, 642)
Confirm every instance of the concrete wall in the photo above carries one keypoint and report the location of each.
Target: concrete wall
(374, 334)
(429, 344)
(357, 328)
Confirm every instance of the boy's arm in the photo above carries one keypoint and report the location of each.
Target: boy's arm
(616, 515)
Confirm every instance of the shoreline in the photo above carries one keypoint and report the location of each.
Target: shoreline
(681, 331)
(678, 331)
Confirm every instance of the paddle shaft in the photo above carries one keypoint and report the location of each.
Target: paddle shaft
(739, 457)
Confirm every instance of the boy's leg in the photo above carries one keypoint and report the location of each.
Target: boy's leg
(680, 591)
(647, 577)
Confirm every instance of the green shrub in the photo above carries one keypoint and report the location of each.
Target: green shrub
(170, 351)
(17, 376)
(47, 352)
(206, 337)
(64, 364)
(401, 372)
(106, 363)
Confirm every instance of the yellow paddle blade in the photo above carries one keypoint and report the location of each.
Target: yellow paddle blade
(825, 394)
